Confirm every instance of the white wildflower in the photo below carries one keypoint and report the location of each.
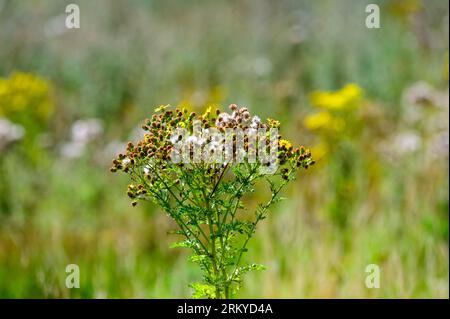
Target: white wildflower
(9, 133)
(255, 122)
(84, 131)
(223, 119)
(73, 149)
(407, 142)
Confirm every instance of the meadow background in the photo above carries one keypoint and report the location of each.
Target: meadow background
(70, 99)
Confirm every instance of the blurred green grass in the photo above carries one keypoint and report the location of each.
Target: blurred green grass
(356, 207)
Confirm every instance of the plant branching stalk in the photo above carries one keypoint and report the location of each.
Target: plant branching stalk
(204, 199)
(259, 217)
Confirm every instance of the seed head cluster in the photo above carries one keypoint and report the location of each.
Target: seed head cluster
(152, 155)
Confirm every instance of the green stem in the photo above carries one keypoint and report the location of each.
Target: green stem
(258, 218)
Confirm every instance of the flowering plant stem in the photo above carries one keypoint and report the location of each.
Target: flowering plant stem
(205, 199)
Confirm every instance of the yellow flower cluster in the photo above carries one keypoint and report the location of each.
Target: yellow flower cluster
(343, 99)
(403, 9)
(324, 121)
(335, 115)
(25, 94)
(285, 144)
(332, 104)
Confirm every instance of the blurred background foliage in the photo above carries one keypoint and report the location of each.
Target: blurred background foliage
(371, 103)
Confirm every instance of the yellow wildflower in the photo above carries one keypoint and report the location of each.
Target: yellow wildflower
(207, 113)
(273, 123)
(341, 99)
(25, 93)
(351, 92)
(323, 120)
(3, 87)
(285, 144)
(404, 8)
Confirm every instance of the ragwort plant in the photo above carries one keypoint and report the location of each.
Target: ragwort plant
(198, 169)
